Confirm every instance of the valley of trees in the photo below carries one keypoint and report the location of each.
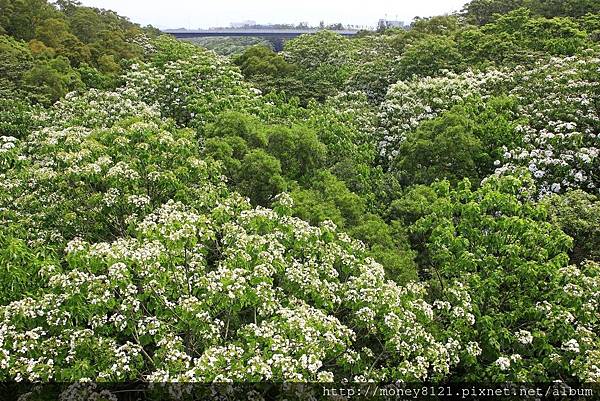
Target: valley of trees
(405, 205)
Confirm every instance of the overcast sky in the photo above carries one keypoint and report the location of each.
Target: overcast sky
(211, 13)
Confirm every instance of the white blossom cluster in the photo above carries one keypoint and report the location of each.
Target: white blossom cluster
(192, 90)
(566, 324)
(158, 304)
(561, 139)
(408, 103)
(96, 108)
(7, 143)
(109, 169)
(9, 151)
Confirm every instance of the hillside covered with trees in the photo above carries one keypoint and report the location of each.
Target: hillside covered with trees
(412, 205)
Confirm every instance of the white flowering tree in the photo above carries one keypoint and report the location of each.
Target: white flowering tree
(408, 103)
(557, 114)
(231, 295)
(536, 317)
(561, 142)
(128, 259)
(189, 84)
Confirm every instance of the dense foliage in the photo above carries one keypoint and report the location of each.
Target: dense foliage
(49, 50)
(409, 205)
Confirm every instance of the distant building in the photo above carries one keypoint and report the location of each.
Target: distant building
(243, 24)
(385, 24)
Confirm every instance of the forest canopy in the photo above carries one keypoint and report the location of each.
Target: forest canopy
(414, 204)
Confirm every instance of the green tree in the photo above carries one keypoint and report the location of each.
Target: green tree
(444, 25)
(298, 149)
(14, 280)
(482, 11)
(577, 213)
(114, 43)
(20, 18)
(230, 155)
(412, 204)
(52, 80)
(429, 57)
(85, 23)
(260, 177)
(499, 245)
(467, 141)
(108, 65)
(92, 78)
(481, 49)
(40, 50)
(559, 36)
(555, 35)
(56, 33)
(16, 117)
(236, 124)
(485, 11)
(312, 206)
(261, 60)
(324, 62)
(73, 49)
(268, 70)
(387, 244)
(591, 24)
(339, 204)
(564, 8)
(52, 31)
(15, 60)
(445, 147)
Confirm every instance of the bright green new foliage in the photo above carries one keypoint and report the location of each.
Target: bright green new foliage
(495, 240)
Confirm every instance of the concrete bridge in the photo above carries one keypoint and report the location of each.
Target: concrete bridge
(275, 36)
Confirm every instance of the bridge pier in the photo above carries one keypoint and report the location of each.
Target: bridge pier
(277, 43)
